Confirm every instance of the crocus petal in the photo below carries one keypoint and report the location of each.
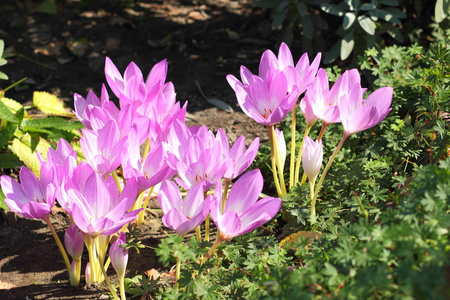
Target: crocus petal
(245, 191)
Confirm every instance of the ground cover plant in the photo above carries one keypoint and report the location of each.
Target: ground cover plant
(348, 199)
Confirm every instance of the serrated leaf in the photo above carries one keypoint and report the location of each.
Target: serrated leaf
(13, 105)
(367, 24)
(7, 134)
(2, 47)
(49, 104)
(51, 122)
(349, 18)
(27, 156)
(347, 45)
(7, 114)
(9, 161)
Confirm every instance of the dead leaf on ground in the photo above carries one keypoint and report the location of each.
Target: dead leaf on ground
(51, 49)
(154, 274)
(295, 238)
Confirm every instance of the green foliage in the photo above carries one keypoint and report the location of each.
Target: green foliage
(21, 135)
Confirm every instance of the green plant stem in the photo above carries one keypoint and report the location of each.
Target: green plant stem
(58, 242)
(198, 233)
(311, 196)
(122, 287)
(117, 180)
(292, 161)
(177, 273)
(14, 84)
(225, 193)
(330, 161)
(108, 283)
(363, 209)
(273, 160)
(146, 149)
(300, 152)
(75, 281)
(212, 249)
(322, 130)
(141, 215)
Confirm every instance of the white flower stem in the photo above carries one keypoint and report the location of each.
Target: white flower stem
(292, 163)
(273, 160)
(299, 156)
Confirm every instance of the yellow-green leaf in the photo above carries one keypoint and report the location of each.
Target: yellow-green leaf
(22, 148)
(13, 105)
(49, 104)
(295, 238)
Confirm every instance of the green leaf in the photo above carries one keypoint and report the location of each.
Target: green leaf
(307, 26)
(367, 24)
(367, 6)
(2, 47)
(49, 104)
(13, 105)
(302, 9)
(3, 76)
(333, 53)
(333, 9)
(441, 10)
(7, 134)
(349, 18)
(2, 201)
(51, 122)
(266, 3)
(347, 45)
(9, 161)
(6, 114)
(279, 19)
(282, 6)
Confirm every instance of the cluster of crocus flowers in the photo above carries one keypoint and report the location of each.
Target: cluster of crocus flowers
(269, 97)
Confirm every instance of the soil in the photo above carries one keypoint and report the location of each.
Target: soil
(64, 53)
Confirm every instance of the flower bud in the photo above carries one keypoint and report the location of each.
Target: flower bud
(73, 240)
(119, 255)
(312, 157)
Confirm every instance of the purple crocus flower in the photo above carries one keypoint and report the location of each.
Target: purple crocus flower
(73, 240)
(30, 198)
(98, 208)
(182, 215)
(242, 212)
(358, 114)
(119, 255)
(267, 101)
(301, 75)
(312, 157)
(102, 149)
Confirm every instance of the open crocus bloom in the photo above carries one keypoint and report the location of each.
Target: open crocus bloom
(301, 75)
(98, 208)
(358, 114)
(30, 198)
(243, 213)
(268, 100)
(182, 215)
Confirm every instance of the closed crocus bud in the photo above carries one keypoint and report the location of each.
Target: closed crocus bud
(73, 240)
(87, 274)
(312, 157)
(119, 255)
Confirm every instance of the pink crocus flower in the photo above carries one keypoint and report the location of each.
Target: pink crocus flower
(102, 149)
(148, 171)
(119, 255)
(267, 100)
(358, 114)
(30, 198)
(307, 112)
(73, 240)
(281, 147)
(312, 157)
(242, 212)
(182, 215)
(98, 208)
(241, 158)
(299, 75)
